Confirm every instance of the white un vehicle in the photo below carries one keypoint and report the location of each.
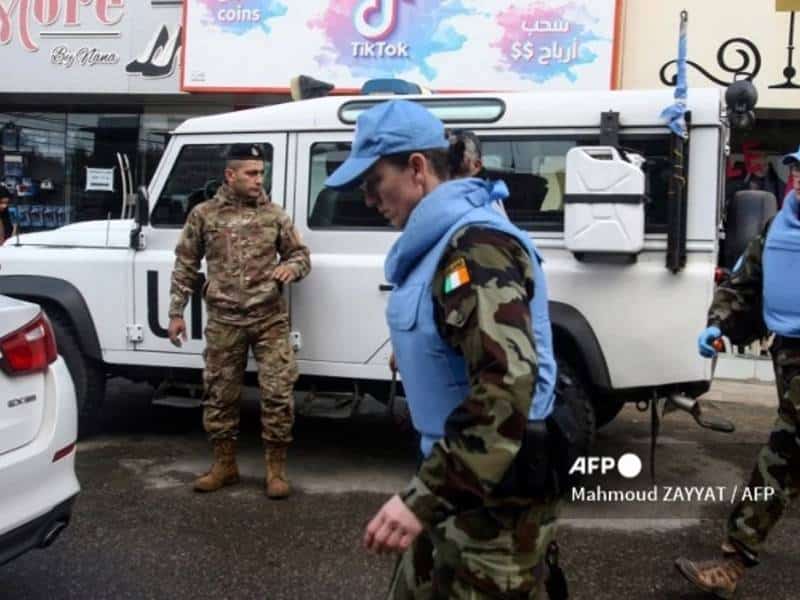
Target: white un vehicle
(38, 429)
(630, 262)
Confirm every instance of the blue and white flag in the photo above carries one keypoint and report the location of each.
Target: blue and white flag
(675, 112)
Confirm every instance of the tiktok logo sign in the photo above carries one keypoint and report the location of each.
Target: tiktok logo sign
(376, 20)
(388, 38)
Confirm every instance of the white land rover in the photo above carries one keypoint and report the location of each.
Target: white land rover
(630, 255)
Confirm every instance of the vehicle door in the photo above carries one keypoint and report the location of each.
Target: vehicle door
(644, 317)
(190, 172)
(339, 308)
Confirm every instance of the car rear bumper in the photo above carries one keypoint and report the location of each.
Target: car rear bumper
(39, 533)
(33, 480)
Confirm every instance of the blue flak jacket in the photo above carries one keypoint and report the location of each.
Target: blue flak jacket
(781, 264)
(435, 377)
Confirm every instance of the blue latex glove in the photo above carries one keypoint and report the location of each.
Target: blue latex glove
(707, 337)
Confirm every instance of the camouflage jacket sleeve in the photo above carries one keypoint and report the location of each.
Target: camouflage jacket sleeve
(186, 272)
(487, 320)
(292, 250)
(737, 305)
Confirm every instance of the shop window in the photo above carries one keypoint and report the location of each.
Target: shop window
(32, 166)
(95, 145)
(195, 177)
(329, 208)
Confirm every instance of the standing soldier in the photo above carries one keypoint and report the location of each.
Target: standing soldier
(763, 292)
(471, 332)
(252, 250)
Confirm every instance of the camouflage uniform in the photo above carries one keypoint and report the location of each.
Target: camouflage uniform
(476, 544)
(737, 311)
(243, 241)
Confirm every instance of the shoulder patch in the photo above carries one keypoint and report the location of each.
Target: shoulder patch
(456, 275)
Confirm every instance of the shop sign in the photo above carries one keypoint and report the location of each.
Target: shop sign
(787, 5)
(755, 41)
(99, 180)
(259, 45)
(111, 46)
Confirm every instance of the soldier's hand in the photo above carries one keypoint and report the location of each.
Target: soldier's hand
(393, 529)
(705, 342)
(284, 274)
(177, 331)
(392, 363)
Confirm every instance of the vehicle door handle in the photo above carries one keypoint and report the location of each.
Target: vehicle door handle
(386, 287)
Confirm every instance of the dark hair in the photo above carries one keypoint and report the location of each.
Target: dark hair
(5, 192)
(445, 162)
(465, 136)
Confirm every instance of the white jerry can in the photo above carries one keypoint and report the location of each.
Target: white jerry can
(604, 201)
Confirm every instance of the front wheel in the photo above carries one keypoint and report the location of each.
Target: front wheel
(582, 406)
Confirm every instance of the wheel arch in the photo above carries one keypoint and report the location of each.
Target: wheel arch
(65, 296)
(573, 335)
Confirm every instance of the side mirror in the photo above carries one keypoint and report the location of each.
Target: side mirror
(142, 216)
(141, 219)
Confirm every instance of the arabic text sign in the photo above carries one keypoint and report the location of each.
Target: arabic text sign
(259, 45)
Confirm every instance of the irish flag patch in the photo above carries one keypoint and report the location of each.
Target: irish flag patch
(457, 275)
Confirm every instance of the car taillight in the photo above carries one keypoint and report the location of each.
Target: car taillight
(29, 349)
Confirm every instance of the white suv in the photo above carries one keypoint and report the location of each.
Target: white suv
(38, 431)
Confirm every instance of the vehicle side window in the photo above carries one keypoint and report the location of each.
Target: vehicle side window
(337, 209)
(195, 177)
(534, 171)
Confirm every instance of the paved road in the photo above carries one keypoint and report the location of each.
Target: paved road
(139, 532)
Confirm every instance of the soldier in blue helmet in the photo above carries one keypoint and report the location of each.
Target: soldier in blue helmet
(762, 294)
(471, 333)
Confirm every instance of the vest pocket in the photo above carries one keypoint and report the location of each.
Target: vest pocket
(401, 311)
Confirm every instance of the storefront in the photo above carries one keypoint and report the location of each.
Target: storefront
(91, 88)
(90, 91)
(728, 41)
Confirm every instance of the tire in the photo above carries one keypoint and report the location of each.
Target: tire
(606, 408)
(88, 375)
(583, 408)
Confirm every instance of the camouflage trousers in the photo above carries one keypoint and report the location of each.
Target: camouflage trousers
(225, 356)
(778, 463)
(479, 554)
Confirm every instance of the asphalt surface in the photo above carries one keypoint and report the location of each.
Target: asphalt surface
(138, 531)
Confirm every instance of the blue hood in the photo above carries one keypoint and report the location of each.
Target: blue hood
(435, 214)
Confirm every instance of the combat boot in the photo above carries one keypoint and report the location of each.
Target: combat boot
(718, 577)
(224, 470)
(276, 482)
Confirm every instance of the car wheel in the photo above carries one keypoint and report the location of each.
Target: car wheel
(583, 407)
(87, 374)
(606, 408)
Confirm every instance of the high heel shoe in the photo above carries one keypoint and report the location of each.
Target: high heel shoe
(163, 63)
(156, 44)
